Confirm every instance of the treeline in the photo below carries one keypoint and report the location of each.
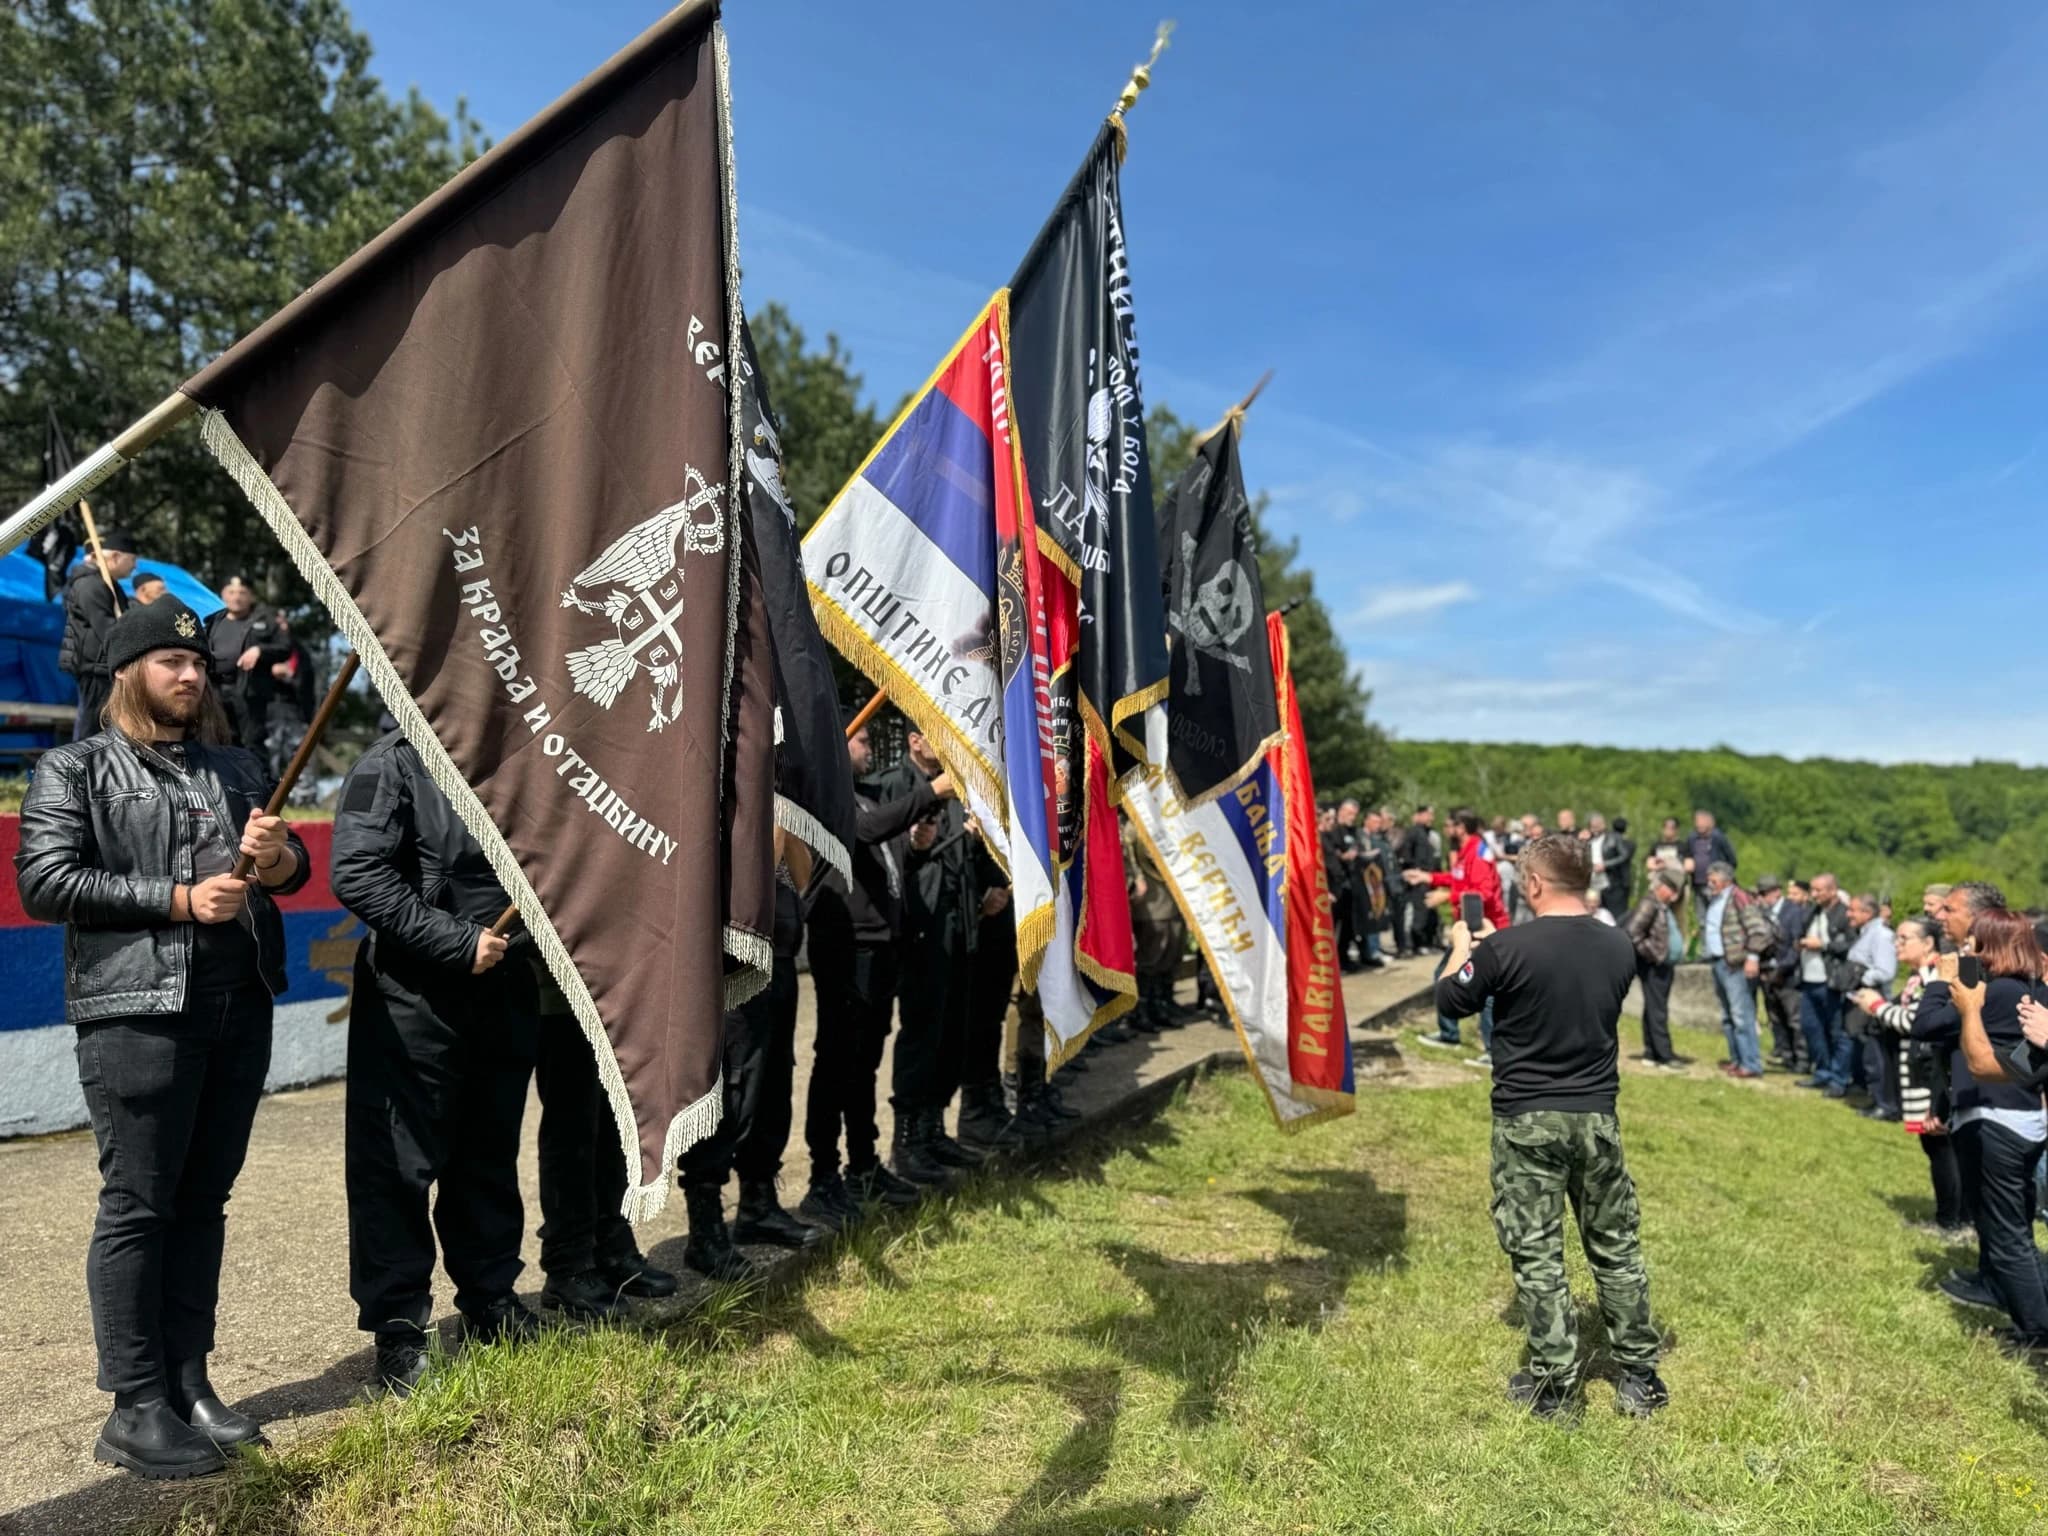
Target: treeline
(1886, 829)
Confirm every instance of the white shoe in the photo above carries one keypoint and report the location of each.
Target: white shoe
(1437, 1042)
(1483, 1059)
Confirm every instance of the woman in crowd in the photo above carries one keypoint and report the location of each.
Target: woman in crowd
(1999, 1127)
(1922, 1081)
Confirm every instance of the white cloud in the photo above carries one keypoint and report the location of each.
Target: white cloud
(1410, 602)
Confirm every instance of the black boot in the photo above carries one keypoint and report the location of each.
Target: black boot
(150, 1440)
(875, 1184)
(944, 1149)
(402, 1361)
(763, 1220)
(910, 1150)
(588, 1297)
(196, 1402)
(709, 1249)
(985, 1120)
(631, 1275)
(827, 1205)
(503, 1319)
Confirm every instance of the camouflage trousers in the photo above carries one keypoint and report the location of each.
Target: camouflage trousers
(1541, 1160)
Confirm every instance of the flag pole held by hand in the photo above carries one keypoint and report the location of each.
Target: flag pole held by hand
(304, 755)
(868, 711)
(505, 920)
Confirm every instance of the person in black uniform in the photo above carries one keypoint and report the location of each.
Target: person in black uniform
(1415, 924)
(587, 1248)
(759, 1062)
(246, 642)
(90, 609)
(129, 838)
(854, 927)
(985, 1120)
(941, 922)
(442, 1032)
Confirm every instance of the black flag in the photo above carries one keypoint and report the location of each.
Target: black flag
(1081, 424)
(813, 778)
(1223, 713)
(57, 544)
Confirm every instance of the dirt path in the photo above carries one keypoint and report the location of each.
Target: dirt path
(289, 1350)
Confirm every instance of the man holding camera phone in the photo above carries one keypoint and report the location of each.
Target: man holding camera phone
(1557, 984)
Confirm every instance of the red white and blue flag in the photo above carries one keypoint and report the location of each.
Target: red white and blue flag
(924, 572)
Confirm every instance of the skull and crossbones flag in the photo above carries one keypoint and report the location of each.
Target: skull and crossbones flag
(503, 445)
(1223, 712)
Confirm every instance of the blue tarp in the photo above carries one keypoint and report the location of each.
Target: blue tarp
(31, 629)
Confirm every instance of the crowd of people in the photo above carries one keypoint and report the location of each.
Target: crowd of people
(264, 676)
(1936, 1021)
(130, 836)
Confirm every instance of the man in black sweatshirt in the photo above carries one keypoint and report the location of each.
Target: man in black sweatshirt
(1557, 985)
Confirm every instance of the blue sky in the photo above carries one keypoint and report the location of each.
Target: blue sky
(1647, 375)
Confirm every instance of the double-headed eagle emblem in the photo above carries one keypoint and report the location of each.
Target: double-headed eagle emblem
(644, 569)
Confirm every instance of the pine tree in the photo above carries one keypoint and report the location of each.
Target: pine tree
(172, 172)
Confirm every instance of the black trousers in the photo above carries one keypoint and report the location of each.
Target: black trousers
(856, 998)
(1344, 910)
(1952, 1207)
(1998, 1170)
(1615, 899)
(1656, 980)
(992, 982)
(436, 1091)
(1781, 1003)
(582, 1170)
(93, 689)
(934, 1001)
(172, 1098)
(760, 1069)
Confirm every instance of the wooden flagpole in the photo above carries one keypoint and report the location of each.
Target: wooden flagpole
(99, 553)
(1236, 412)
(868, 711)
(304, 755)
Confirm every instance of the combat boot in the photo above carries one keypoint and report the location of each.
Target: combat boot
(762, 1219)
(910, 1151)
(985, 1120)
(945, 1151)
(708, 1249)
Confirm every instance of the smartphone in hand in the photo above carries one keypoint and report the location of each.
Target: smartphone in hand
(1970, 970)
(1472, 912)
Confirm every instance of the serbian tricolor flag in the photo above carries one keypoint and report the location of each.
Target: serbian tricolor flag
(924, 572)
(1246, 868)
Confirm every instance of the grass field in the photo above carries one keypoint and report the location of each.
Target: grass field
(1207, 1327)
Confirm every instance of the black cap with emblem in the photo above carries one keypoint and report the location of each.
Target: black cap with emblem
(166, 624)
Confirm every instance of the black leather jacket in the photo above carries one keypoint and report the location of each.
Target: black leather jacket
(101, 849)
(405, 864)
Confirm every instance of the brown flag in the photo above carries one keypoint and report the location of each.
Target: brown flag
(501, 443)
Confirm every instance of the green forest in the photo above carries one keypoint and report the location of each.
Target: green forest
(1885, 829)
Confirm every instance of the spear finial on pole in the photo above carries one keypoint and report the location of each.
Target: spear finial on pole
(1236, 413)
(1134, 87)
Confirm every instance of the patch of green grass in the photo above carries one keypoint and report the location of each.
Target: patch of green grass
(1207, 1327)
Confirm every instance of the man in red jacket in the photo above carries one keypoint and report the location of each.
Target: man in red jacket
(1471, 873)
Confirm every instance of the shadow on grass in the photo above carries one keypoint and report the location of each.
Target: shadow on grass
(1205, 1314)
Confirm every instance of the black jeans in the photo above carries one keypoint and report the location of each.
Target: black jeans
(1781, 1002)
(856, 997)
(934, 1000)
(1952, 1208)
(1998, 1170)
(994, 981)
(582, 1170)
(1656, 980)
(759, 1066)
(436, 1091)
(172, 1098)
